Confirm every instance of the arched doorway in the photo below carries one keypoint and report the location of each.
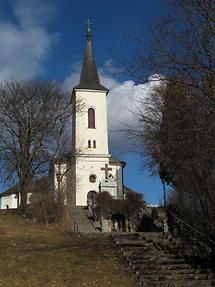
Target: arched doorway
(91, 198)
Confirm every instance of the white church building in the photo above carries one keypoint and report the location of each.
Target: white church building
(95, 169)
(92, 169)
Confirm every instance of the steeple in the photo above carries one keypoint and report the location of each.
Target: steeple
(89, 75)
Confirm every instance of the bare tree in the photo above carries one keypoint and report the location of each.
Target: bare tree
(177, 121)
(33, 118)
(182, 47)
(106, 206)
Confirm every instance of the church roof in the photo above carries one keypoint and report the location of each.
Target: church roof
(114, 160)
(10, 191)
(63, 158)
(89, 75)
(127, 189)
(35, 186)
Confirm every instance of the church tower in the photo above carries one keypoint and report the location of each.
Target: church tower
(90, 135)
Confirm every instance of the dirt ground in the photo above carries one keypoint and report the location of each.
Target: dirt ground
(35, 256)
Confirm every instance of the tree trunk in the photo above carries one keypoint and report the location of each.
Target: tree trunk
(23, 202)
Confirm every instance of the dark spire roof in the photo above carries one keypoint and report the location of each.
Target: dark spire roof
(89, 75)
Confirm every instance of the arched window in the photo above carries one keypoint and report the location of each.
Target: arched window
(91, 118)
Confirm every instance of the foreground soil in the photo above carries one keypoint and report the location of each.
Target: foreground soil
(35, 256)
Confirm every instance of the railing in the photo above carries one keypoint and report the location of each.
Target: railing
(196, 245)
(191, 228)
(75, 228)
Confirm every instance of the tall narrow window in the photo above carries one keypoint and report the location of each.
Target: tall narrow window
(91, 118)
(94, 144)
(89, 144)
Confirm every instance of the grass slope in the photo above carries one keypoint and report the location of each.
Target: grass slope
(33, 256)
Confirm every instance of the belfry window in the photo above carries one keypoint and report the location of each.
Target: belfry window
(91, 118)
(94, 144)
(89, 143)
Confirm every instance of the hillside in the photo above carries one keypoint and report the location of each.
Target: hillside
(40, 256)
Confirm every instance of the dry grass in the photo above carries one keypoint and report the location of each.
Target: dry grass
(34, 256)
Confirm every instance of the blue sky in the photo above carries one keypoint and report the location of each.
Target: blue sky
(41, 38)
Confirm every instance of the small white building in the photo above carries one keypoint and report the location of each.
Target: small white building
(10, 199)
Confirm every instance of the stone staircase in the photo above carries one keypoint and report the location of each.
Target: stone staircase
(80, 221)
(156, 265)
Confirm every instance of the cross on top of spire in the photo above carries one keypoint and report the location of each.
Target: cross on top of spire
(89, 23)
(89, 75)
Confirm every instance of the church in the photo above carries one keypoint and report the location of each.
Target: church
(89, 168)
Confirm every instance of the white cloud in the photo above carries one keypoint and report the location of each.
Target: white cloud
(122, 98)
(25, 43)
(34, 13)
(73, 79)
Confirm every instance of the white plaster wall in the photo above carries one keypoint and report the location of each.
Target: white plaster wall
(10, 200)
(28, 197)
(98, 101)
(119, 171)
(92, 159)
(86, 166)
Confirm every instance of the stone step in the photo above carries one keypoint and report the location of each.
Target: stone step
(138, 249)
(81, 223)
(126, 236)
(129, 237)
(152, 267)
(175, 271)
(144, 254)
(135, 243)
(152, 254)
(158, 261)
(182, 283)
(175, 277)
(152, 236)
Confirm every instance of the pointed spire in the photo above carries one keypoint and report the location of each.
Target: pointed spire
(89, 75)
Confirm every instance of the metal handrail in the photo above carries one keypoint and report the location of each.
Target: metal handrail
(191, 227)
(75, 228)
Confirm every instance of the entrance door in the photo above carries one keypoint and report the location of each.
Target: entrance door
(91, 198)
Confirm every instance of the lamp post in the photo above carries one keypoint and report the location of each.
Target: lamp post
(165, 223)
(164, 193)
(162, 175)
